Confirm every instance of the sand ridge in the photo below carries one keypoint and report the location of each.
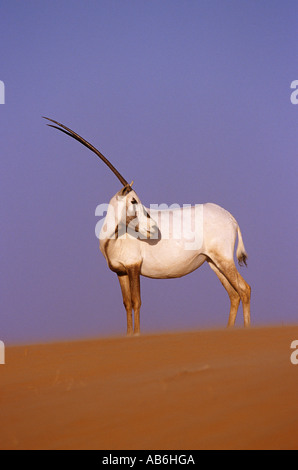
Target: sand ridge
(217, 389)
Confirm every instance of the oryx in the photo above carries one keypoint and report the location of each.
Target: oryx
(138, 241)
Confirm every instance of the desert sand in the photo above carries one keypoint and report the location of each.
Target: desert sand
(217, 389)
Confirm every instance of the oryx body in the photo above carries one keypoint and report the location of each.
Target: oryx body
(163, 244)
(158, 243)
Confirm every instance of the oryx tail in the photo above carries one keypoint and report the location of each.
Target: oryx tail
(241, 252)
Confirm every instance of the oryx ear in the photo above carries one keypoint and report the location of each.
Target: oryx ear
(126, 189)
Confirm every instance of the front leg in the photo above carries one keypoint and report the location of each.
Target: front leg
(126, 294)
(135, 290)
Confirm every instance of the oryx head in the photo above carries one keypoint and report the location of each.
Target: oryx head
(128, 209)
(132, 214)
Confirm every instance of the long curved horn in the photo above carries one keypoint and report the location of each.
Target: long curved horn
(77, 137)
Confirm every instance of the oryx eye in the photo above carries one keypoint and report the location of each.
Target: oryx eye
(133, 201)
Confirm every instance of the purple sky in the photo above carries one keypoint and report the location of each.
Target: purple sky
(191, 99)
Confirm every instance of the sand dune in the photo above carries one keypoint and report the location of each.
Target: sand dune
(197, 390)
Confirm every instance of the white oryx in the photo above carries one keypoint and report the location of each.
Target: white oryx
(167, 244)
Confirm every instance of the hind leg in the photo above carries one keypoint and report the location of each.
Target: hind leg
(229, 270)
(233, 294)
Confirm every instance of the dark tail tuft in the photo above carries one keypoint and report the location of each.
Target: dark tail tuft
(242, 260)
(241, 252)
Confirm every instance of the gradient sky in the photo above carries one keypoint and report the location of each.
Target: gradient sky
(191, 100)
